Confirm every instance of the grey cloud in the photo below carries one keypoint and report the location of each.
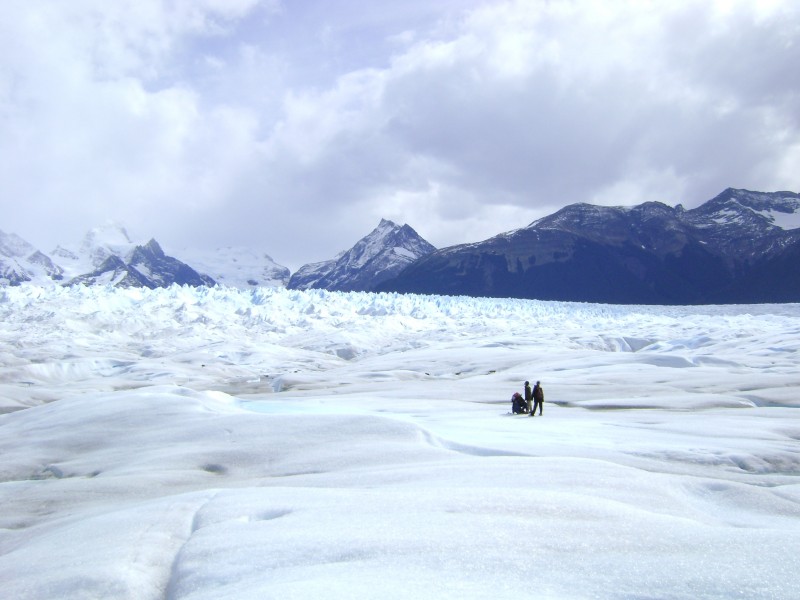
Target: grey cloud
(546, 134)
(562, 127)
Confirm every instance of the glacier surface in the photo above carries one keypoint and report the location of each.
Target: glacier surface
(195, 443)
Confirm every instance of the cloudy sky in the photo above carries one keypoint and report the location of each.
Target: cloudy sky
(294, 126)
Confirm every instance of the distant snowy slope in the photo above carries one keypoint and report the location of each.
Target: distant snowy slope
(94, 249)
(236, 267)
(20, 262)
(377, 257)
(11, 245)
(101, 242)
(108, 256)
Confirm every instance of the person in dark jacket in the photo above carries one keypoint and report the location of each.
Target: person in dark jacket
(528, 396)
(517, 403)
(538, 398)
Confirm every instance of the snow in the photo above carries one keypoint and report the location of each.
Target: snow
(96, 246)
(724, 217)
(404, 252)
(12, 246)
(784, 220)
(191, 443)
(238, 267)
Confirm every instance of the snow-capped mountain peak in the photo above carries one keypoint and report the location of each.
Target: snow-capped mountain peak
(781, 209)
(101, 242)
(386, 237)
(108, 255)
(110, 234)
(135, 265)
(21, 262)
(105, 256)
(757, 211)
(375, 258)
(11, 245)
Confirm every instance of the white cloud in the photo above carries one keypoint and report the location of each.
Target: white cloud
(89, 134)
(569, 99)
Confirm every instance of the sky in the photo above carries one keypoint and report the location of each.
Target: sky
(295, 126)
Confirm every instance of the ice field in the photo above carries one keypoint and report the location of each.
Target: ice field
(189, 444)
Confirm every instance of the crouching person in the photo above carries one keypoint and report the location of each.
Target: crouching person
(517, 403)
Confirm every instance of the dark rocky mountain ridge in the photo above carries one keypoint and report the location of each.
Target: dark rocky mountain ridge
(730, 249)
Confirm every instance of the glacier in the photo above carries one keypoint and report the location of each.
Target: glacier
(197, 443)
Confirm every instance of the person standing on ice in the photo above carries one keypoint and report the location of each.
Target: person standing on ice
(528, 396)
(538, 398)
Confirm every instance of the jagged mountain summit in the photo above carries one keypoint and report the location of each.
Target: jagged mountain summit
(377, 257)
(20, 262)
(108, 256)
(105, 256)
(144, 266)
(741, 246)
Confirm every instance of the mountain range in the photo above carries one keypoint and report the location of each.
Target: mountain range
(108, 256)
(739, 247)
